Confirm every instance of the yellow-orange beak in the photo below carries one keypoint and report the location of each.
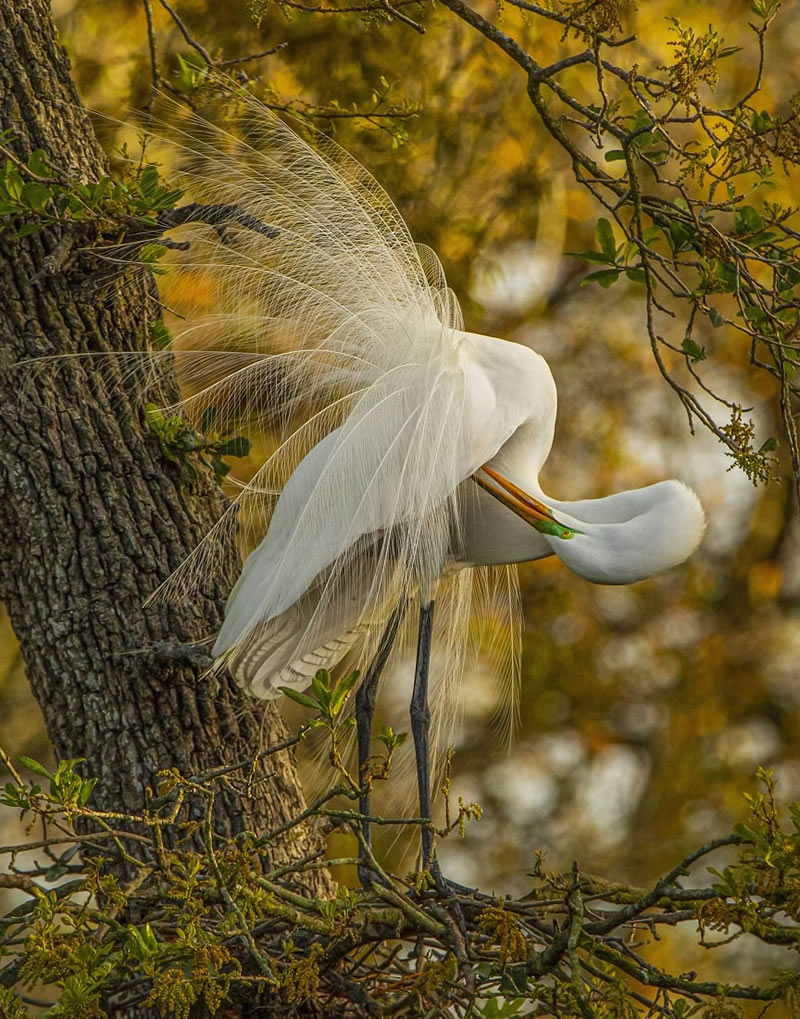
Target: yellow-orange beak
(531, 510)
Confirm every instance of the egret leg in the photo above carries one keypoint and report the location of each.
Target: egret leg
(366, 698)
(420, 724)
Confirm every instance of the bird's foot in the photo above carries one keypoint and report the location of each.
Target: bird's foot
(368, 877)
(449, 911)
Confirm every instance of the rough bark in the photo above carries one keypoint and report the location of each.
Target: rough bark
(92, 516)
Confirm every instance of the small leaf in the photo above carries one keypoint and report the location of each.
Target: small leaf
(160, 336)
(86, 791)
(37, 165)
(299, 698)
(743, 832)
(605, 236)
(614, 156)
(153, 416)
(694, 352)
(150, 253)
(36, 196)
(13, 183)
(34, 766)
(715, 317)
(678, 235)
(237, 446)
(343, 688)
(748, 220)
(148, 181)
(219, 467)
(636, 275)
(321, 685)
(591, 256)
(769, 446)
(606, 278)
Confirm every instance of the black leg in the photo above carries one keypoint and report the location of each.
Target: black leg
(366, 697)
(420, 724)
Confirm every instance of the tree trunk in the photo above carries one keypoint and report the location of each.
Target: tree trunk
(92, 516)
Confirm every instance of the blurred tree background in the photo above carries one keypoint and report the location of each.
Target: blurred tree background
(644, 710)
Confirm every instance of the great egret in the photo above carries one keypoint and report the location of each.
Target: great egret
(410, 450)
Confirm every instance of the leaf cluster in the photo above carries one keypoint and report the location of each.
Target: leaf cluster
(179, 438)
(34, 196)
(212, 924)
(687, 186)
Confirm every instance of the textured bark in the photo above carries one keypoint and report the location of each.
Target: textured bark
(92, 516)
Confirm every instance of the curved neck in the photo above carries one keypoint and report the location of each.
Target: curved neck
(620, 538)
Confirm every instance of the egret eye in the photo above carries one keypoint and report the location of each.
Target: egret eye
(555, 530)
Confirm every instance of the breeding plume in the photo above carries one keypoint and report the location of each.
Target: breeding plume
(409, 449)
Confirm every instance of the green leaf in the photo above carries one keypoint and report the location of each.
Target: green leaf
(150, 253)
(715, 317)
(153, 416)
(754, 314)
(605, 236)
(37, 165)
(760, 239)
(98, 191)
(744, 832)
(321, 685)
(614, 156)
(13, 182)
(219, 467)
(645, 138)
(606, 278)
(237, 446)
(591, 256)
(636, 275)
(160, 336)
(693, 351)
(747, 220)
(724, 276)
(678, 236)
(86, 791)
(390, 739)
(299, 698)
(769, 446)
(788, 277)
(343, 688)
(36, 196)
(763, 8)
(34, 766)
(148, 181)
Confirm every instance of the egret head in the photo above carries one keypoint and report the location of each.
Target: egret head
(619, 539)
(632, 535)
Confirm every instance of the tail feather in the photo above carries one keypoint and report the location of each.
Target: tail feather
(273, 657)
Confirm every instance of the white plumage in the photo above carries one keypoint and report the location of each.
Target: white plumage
(334, 329)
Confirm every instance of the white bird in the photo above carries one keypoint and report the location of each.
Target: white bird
(333, 327)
